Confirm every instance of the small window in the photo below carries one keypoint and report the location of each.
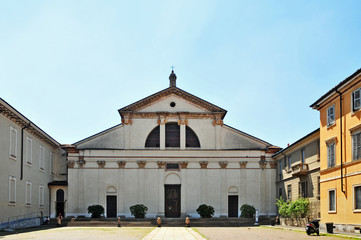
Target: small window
(289, 192)
(332, 200)
(41, 158)
(303, 189)
(289, 162)
(356, 99)
(41, 196)
(29, 151)
(331, 154)
(357, 198)
(28, 193)
(331, 115)
(13, 143)
(356, 146)
(51, 163)
(12, 190)
(172, 166)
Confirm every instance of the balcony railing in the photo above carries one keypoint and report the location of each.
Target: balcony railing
(300, 169)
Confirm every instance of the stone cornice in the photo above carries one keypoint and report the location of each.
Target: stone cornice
(132, 108)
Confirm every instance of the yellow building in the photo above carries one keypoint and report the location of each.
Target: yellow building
(340, 149)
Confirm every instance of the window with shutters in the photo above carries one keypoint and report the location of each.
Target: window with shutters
(332, 200)
(41, 158)
(356, 146)
(356, 99)
(29, 151)
(357, 198)
(303, 189)
(331, 115)
(13, 143)
(331, 154)
(12, 191)
(28, 189)
(51, 160)
(41, 196)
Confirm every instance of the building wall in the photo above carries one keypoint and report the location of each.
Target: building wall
(331, 177)
(11, 167)
(286, 177)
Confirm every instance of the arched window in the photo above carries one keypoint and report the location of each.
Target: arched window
(60, 195)
(153, 138)
(191, 138)
(172, 135)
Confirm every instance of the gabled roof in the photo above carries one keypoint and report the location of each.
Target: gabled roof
(334, 89)
(168, 91)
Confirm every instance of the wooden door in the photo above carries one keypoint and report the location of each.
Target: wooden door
(172, 201)
(232, 206)
(111, 206)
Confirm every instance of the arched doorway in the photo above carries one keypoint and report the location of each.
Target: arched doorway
(111, 202)
(172, 196)
(233, 202)
(60, 202)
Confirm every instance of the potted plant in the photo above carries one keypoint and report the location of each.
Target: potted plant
(96, 210)
(205, 211)
(247, 211)
(138, 210)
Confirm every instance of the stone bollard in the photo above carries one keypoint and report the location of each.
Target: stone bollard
(188, 222)
(159, 222)
(119, 222)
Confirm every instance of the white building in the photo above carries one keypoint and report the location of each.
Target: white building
(30, 160)
(172, 152)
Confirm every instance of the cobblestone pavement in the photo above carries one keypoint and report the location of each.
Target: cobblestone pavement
(257, 233)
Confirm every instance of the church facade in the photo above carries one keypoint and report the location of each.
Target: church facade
(171, 152)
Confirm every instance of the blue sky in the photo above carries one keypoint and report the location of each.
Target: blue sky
(69, 65)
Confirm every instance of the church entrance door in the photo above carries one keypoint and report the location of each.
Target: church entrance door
(172, 201)
(232, 206)
(111, 206)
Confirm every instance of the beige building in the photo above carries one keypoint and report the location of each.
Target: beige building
(172, 152)
(298, 171)
(30, 159)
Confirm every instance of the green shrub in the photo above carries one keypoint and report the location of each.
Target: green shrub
(247, 211)
(205, 211)
(96, 210)
(138, 210)
(293, 209)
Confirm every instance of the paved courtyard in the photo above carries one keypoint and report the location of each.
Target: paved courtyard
(169, 233)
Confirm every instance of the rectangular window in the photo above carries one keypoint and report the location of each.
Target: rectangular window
(41, 158)
(356, 99)
(289, 162)
(28, 193)
(41, 196)
(12, 190)
(51, 163)
(303, 156)
(357, 198)
(13, 143)
(29, 151)
(331, 115)
(332, 200)
(279, 192)
(280, 170)
(303, 189)
(172, 166)
(331, 154)
(289, 192)
(356, 146)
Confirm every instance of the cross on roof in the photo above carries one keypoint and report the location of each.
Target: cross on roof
(172, 67)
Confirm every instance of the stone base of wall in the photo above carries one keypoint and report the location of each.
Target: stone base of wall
(297, 222)
(343, 227)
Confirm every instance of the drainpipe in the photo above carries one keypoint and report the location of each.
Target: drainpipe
(341, 141)
(22, 151)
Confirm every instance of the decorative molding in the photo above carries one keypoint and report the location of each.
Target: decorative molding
(161, 164)
(141, 164)
(70, 164)
(263, 158)
(101, 164)
(273, 164)
(218, 119)
(243, 164)
(223, 164)
(183, 165)
(203, 164)
(81, 163)
(183, 119)
(262, 164)
(127, 119)
(121, 164)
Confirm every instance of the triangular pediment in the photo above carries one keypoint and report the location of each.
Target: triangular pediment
(159, 102)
